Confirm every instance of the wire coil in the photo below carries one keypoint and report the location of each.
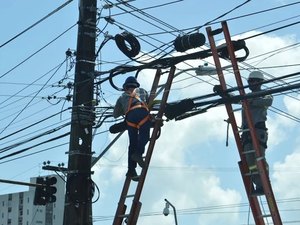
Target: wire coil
(121, 40)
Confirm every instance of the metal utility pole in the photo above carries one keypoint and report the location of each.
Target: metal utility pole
(78, 200)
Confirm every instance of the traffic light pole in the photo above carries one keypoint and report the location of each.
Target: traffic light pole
(20, 183)
(78, 200)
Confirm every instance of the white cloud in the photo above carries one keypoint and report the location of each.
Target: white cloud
(287, 175)
(171, 173)
(188, 192)
(292, 106)
(286, 186)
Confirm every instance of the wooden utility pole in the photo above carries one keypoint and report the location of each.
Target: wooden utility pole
(78, 201)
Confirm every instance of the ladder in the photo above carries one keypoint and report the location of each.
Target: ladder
(132, 217)
(255, 204)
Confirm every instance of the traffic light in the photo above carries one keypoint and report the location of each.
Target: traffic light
(50, 189)
(40, 192)
(44, 192)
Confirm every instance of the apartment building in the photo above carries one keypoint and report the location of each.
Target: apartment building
(18, 208)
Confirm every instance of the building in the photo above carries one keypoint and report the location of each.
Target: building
(18, 208)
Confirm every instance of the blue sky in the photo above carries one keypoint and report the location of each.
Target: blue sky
(191, 166)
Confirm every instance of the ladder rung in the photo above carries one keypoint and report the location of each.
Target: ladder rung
(260, 158)
(266, 215)
(243, 130)
(123, 216)
(237, 109)
(217, 31)
(248, 152)
(251, 173)
(129, 196)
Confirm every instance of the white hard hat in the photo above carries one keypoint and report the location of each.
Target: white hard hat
(256, 75)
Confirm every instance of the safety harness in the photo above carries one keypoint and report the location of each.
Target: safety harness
(135, 105)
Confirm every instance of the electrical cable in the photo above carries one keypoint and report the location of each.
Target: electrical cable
(33, 82)
(26, 141)
(36, 145)
(272, 30)
(147, 16)
(45, 127)
(30, 154)
(32, 125)
(241, 16)
(259, 12)
(224, 14)
(150, 7)
(30, 100)
(270, 24)
(36, 52)
(215, 209)
(36, 23)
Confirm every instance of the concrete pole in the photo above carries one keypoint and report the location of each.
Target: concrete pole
(78, 200)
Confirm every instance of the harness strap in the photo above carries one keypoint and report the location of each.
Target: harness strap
(138, 125)
(140, 103)
(138, 106)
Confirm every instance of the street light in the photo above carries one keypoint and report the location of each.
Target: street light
(208, 70)
(166, 210)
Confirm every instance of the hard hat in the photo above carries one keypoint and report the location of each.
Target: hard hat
(256, 75)
(131, 82)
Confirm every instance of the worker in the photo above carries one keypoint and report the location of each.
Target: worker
(133, 104)
(258, 109)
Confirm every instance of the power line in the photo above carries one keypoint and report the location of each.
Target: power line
(30, 100)
(36, 52)
(272, 30)
(31, 125)
(36, 23)
(33, 146)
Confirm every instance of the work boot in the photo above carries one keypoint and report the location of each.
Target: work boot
(133, 175)
(139, 159)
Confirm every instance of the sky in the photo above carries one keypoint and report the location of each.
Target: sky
(191, 165)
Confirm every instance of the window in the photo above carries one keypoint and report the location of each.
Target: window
(9, 197)
(20, 221)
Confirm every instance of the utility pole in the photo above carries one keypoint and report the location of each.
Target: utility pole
(79, 188)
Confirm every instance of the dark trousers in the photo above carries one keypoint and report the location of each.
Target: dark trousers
(262, 136)
(138, 137)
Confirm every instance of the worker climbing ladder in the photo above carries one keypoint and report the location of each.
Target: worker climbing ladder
(255, 204)
(132, 217)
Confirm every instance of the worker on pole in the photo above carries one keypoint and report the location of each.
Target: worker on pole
(258, 109)
(133, 104)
